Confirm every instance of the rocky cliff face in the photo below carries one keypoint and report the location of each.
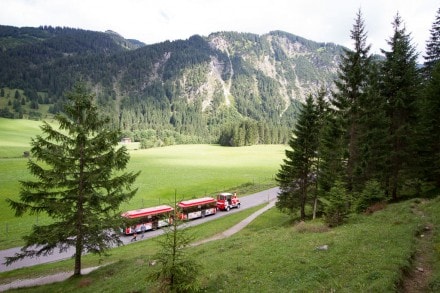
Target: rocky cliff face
(292, 66)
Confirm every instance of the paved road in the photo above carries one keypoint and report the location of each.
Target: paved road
(246, 202)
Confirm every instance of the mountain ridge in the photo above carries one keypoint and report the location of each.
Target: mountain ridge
(193, 87)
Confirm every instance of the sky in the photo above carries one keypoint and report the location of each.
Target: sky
(154, 21)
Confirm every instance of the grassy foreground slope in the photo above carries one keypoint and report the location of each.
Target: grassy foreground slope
(371, 253)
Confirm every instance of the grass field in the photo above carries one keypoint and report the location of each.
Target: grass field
(15, 136)
(187, 170)
(369, 254)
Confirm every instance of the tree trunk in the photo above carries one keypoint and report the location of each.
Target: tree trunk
(80, 214)
(353, 153)
(315, 206)
(394, 184)
(304, 197)
(78, 252)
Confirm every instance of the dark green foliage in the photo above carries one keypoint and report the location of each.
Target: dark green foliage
(332, 150)
(169, 86)
(243, 134)
(16, 105)
(295, 177)
(336, 205)
(351, 87)
(400, 88)
(433, 46)
(353, 140)
(429, 144)
(372, 193)
(75, 183)
(429, 122)
(373, 133)
(6, 113)
(17, 95)
(176, 271)
(47, 59)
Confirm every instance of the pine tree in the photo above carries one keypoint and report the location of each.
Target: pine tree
(429, 141)
(351, 83)
(336, 207)
(322, 112)
(332, 153)
(296, 174)
(177, 271)
(17, 95)
(429, 128)
(75, 183)
(400, 88)
(373, 132)
(433, 45)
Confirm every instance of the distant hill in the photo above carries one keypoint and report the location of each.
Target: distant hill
(55, 37)
(192, 88)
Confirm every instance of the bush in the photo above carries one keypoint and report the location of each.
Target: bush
(336, 205)
(372, 194)
(176, 271)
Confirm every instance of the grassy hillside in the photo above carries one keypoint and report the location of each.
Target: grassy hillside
(371, 253)
(188, 170)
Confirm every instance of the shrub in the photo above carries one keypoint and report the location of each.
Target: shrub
(176, 271)
(336, 205)
(372, 194)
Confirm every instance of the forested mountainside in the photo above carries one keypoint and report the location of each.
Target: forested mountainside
(196, 90)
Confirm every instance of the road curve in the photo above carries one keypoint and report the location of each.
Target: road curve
(246, 202)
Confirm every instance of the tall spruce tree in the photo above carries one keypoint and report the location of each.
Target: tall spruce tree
(400, 87)
(332, 152)
(433, 45)
(373, 131)
(322, 112)
(79, 183)
(429, 130)
(351, 83)
(296, 174)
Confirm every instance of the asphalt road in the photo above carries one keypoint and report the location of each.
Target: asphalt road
(246, 202)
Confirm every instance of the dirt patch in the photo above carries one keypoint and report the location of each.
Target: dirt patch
(376, 207)
(417, 277)
(303, 227)
(85, 283)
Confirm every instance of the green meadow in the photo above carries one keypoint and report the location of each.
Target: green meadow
(370, 253)
(15, 136)
(188, 171)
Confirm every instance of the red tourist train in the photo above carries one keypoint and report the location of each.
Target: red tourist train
(197, 208)
(142, 220)
(227, 201)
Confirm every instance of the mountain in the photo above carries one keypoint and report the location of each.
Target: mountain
(193, 89)
(129, 44)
